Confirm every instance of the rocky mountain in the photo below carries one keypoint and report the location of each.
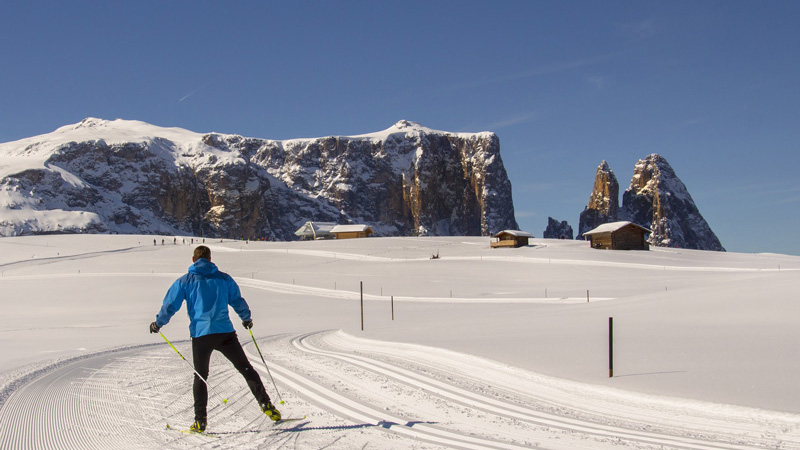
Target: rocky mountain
(656, 199)
(131, 177)
(603, 202)
(659, 200)
(557, 230)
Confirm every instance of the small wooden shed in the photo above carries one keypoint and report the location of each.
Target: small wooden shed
(352, 231)
(511, 239)
(619, 236)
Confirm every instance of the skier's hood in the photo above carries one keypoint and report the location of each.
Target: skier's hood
(203, 267)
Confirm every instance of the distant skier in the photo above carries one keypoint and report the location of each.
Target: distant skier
(208, 292)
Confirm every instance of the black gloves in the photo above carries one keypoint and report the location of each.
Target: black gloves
(247, 323)
(154, 328)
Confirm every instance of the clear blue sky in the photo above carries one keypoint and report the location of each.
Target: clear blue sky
(713, 86)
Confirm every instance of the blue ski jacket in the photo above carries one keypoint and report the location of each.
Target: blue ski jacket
(207, 292)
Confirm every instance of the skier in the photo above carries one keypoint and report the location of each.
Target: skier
(208, 292)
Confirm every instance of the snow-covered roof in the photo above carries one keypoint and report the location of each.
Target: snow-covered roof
(614, 226)
(351, 229)
(311, 228)
(516, 233)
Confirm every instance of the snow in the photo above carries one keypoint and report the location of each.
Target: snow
(613, 226)
(350, 228)
(407, 127)
(488, 348)
(178, 144)
(15, 164)
(69, 177)
(402, 127)
(49, 221)
(516, 233)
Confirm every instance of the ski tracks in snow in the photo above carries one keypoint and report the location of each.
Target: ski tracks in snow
(359, 393)
(460, 401)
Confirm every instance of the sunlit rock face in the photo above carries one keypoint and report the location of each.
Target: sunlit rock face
(603, 202)
(658, 199)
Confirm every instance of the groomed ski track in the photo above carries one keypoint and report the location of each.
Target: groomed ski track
(359, 393)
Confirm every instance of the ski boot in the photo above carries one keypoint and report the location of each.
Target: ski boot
(198, 426)
(270, 410)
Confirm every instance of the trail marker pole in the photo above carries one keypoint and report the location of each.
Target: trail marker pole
(393, 307)
(610, 347)
(362, 306)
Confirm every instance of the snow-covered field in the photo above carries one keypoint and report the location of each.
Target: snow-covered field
(494, 349)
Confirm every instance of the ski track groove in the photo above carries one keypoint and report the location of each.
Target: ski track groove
(688, 440)
(124, 398)
(451, 393)
(359, 412)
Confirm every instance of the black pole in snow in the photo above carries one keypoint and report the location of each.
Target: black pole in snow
(610, 347)
(362, 306)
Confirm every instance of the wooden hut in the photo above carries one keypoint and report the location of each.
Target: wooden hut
(511, 238)
(351, 231)
(619, 236)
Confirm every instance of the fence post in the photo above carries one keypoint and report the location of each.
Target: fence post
(393, 307)
(362, 306)
(610, 347)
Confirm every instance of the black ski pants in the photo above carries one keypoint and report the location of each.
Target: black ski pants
(228, 345)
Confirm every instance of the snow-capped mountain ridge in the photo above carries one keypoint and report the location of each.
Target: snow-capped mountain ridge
(111, 131)
(131, 176)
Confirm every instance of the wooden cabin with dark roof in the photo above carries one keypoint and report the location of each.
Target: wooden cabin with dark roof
(622, 235)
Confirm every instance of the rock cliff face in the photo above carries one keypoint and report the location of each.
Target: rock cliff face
(557, 230)
(132, 177)
(659, 200)
(656, 199)
(603, 202)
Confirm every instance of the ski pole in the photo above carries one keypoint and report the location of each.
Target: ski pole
(265, 365)
(224, 400)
